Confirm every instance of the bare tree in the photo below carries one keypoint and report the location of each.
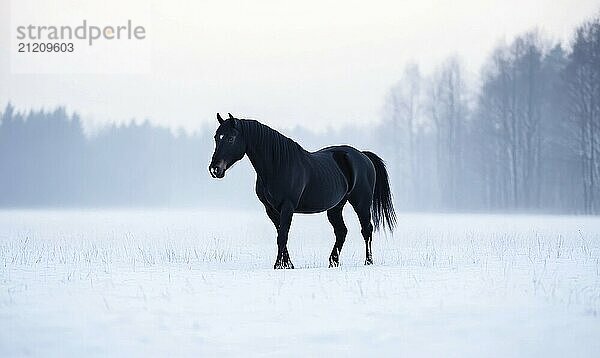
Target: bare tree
(403, 109)
(582, 76)
(447, 108)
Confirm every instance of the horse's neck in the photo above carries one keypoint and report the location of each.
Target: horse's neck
(270, 156)
(259, 163)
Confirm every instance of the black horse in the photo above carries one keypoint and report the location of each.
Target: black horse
(292, 180)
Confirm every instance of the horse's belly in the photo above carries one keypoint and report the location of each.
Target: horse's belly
(320, 199)
(313, 209)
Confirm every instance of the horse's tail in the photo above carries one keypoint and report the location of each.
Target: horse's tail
(383, 208)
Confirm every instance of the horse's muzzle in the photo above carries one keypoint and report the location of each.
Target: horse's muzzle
(217, 170)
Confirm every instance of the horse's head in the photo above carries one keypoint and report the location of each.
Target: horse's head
(229, 146)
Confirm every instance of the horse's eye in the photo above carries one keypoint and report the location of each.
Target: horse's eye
(231, 139)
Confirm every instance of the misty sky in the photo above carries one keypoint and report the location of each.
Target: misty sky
(312, 63)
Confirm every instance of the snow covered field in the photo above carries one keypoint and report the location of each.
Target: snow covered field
(194, 283)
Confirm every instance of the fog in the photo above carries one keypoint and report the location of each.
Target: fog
(513, 128)
(313, 63)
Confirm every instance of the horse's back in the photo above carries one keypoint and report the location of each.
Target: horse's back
(356, 160)
(358, 169)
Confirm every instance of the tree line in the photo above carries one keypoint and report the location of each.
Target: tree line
(47, 159)
(525, 138)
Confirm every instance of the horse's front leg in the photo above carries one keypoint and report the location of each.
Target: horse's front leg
(285, 220)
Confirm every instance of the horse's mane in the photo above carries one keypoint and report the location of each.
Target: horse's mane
(261, 137)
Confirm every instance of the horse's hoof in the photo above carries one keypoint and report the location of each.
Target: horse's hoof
(368, 262)
(283, 266)
(333, 263)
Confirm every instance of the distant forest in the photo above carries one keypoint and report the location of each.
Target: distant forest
(525, 137)
(48, 160)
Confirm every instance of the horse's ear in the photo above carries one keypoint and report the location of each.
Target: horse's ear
(220, 119)
(230, 116)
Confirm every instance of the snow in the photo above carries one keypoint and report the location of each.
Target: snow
(198, 283)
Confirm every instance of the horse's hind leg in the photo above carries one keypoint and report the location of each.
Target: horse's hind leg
(340, 230)
(363, 210)
(367, 233)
